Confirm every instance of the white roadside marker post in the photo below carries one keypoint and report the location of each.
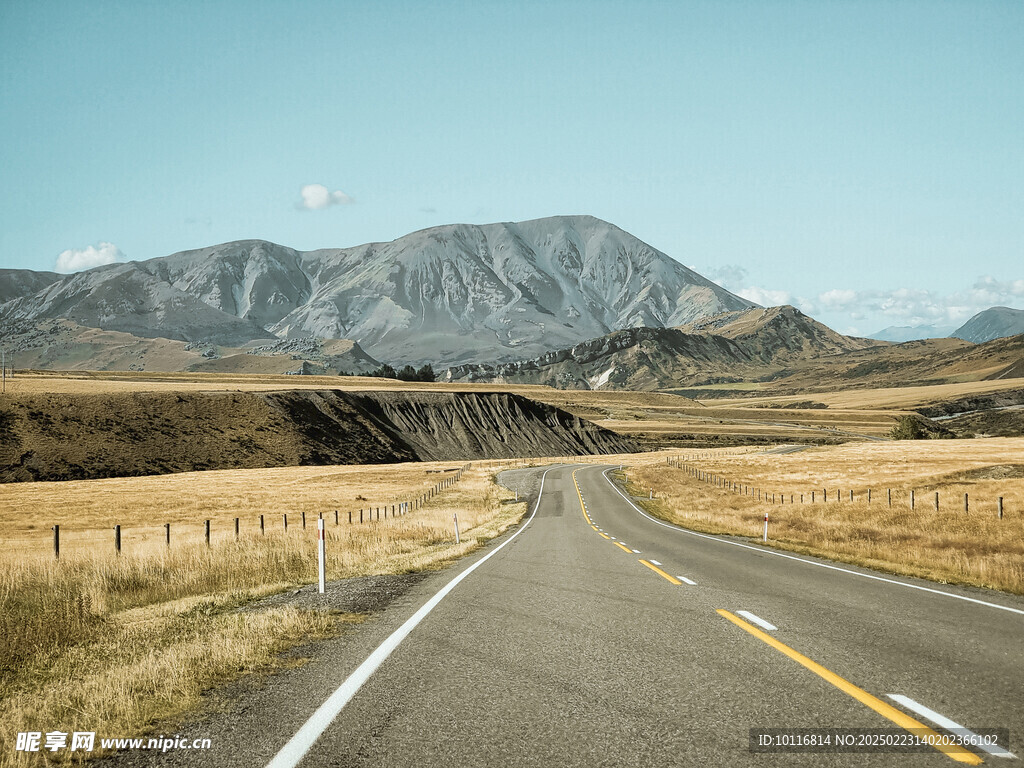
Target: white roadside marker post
(455, 517)
(321, 554)
(766, 526)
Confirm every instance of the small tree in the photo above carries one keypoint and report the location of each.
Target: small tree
(407, 373)
(384, 372)
(908, 428)
(426, 373)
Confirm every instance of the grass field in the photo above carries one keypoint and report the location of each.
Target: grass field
(948, 545)
(113, 644)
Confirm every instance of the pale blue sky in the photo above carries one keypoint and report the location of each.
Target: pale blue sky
(862, 159)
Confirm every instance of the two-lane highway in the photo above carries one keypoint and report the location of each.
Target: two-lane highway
(597, 636)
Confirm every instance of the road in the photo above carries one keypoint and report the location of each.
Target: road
(596, 636)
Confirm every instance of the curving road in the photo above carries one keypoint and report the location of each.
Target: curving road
(597, 636)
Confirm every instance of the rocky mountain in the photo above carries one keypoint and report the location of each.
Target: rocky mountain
(779, 333)
(729, 347)
(993, 323)
(23, 282)
(128, 298)
(447, 295)
(901, 333)
(65, 345)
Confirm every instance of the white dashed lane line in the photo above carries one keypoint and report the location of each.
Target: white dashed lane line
(757, 620)
(971, 738)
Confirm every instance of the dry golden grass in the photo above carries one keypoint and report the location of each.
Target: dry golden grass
(884, 398)
(949, 545)
(110, 644)
(87, 510)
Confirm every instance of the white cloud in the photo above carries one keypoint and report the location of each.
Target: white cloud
(77, 259)
(316, 197)
(764, 296)
(913, 307)
(987, 290)
(839, 299)
(730, 276)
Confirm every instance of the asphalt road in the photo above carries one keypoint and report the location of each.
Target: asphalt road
(595, 636)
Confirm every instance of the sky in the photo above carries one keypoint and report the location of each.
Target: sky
(863, 160)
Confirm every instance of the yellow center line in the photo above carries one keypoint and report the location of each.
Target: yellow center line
(660, 572)
(623, 547)
(901, 719)
(605, 535)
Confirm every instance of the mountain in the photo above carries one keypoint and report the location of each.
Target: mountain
(993, 323)
(128, 298)
(22, 282)
(447, 295)
(901, 333)
(729, 347)
(65, 345)
(779, 333)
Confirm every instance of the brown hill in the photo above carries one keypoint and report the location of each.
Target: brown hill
(77, 437)
(749, 345)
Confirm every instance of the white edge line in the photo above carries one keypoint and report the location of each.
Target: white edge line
(944, 722)
(299, 744)
(688, 581)
(655, 562)
(757, 620)
(767, 551)
(636, 551)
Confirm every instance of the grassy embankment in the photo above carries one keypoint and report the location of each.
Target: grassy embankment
(97, 642)
(974, 548)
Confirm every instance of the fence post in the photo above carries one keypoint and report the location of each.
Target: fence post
(812, 497)
(360, 516)
(350, 516)
(911, 499)
(236, 529)
(1000, 507)
(167, 533)
(207, 533)
(851, 494)
(321, 553)
(335, 517)
(285, 516)
(889, 490)
(869, 495)
(455, 516)
(966, 507)
(303, 519)
(56, 542)
(263, 530)
(936, 501)
(117, 539)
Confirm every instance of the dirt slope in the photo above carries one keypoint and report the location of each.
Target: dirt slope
(74, 437)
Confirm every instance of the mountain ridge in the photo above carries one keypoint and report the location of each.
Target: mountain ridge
(990, 324)
(451, 294)
(728, 347)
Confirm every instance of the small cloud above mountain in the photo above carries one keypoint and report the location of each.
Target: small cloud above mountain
(77, 259)
(316, 197)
